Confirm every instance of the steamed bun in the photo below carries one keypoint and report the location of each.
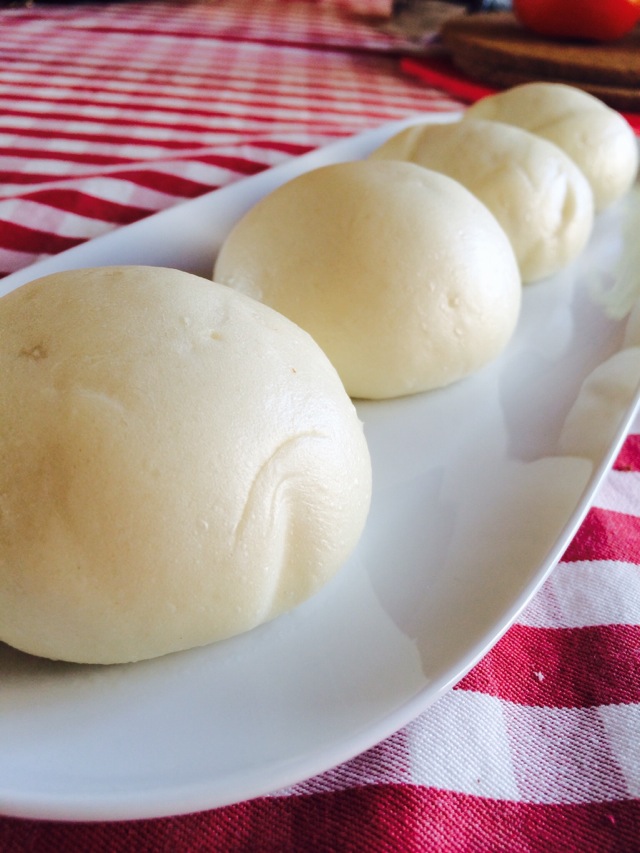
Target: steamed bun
(597, 138)
(400, 274)
(535, 191)
(178, 464)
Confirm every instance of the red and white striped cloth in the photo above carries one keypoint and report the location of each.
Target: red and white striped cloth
(112, 111)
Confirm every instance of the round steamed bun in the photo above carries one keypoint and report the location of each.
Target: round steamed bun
(535, 191)
(400, 274)
(598, 139)
(178, 464)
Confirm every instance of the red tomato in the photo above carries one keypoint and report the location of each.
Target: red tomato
(594, 20)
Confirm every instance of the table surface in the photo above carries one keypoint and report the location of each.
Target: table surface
(113, 111)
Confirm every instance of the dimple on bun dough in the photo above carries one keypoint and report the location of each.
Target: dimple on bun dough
(536, 192)
(178, 464)
(597, 138)
(401, 275)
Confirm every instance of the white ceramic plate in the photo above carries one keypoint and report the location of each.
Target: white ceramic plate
(475, 498)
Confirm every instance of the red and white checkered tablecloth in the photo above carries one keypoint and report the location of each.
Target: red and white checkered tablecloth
(112, 111)
(109, 112)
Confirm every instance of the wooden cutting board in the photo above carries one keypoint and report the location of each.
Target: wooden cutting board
(493, 48)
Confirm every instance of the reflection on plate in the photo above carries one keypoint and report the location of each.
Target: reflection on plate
(478, 488)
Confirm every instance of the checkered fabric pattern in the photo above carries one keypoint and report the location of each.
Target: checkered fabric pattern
(110, 112)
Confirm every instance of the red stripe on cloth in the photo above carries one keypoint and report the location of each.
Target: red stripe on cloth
(196, 122)
(606, 535)
(172, 184)
(84, 204)
(208, 59)
(66, 156)
(629, 457)
(163, 182)
(195, 103)
(279, 80)
(23, 239)
(312, 41)
(134, 120)
(334, 124)
(112, 138)
(373, 818)
(561, 667)
(332, 80)
(189, 107)
(241, 165)
(293, 148)
(25, 179)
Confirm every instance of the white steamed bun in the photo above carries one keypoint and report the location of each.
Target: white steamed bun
(179, 464)
(401, 275)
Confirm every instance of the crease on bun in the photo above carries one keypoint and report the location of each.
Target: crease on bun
(179, 465)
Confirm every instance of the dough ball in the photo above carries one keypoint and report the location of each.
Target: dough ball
(598, 139)
(535, 191)
(400, 274)
(178, 464)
